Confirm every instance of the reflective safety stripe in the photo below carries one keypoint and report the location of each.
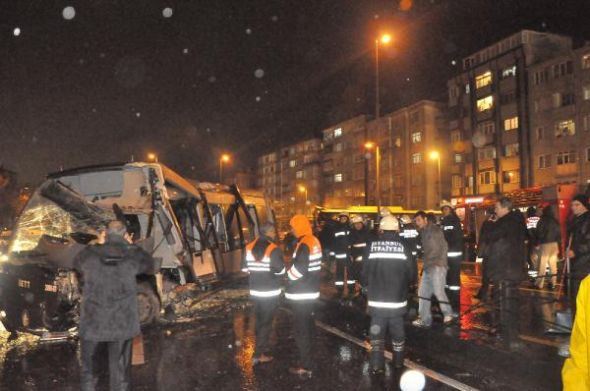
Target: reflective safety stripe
(332, 253)
(448, 227)
(315, 268)
(314, 257)
(454, 287)
(386, 304)
(338, 283)
(414, 252)
(454, 254)
(245, 269)
(281, 272)
(249, 256)
(259, 268)
(388, 256)
(302, 296)
(533, 273)
(479, 260)
(359, 258)
(341, 233)
(294, 274)
(265, 293)
(351, 281)
(360, 245)
(340, 256)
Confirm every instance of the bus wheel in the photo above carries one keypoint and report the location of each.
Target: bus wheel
(148, 304)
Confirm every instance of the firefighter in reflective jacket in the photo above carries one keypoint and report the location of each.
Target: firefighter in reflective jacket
(451, 226)
(264, 262)
(304, 290)
(342, 253)
(410, 233)
(358, 239)
(388, 271)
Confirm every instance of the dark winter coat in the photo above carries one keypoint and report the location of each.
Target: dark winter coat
(434, 246)
(109, 292)
(358, 240)
(506, 251)
(451, 226)
(580, 237)
(484, 242)
(548, 230)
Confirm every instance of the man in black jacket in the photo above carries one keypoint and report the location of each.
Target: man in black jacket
(264, 262)
(507, 263)
(388, 271)
(579, 250)
(109, 313)
(358, 240)
(451, 226)
(548, 234)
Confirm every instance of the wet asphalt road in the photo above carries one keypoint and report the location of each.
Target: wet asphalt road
(213, 350)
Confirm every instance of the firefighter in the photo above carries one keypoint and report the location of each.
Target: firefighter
(342, 253)
(326, 237)
(451, 226)
(304, 290)
(388, 271)
(410, 233)
(264, 263)
(358, 239)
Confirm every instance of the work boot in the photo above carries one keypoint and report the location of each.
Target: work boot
(398, 351)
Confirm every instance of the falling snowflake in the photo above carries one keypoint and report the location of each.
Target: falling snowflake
(167, 12)
(453, 63)
(68, 13)
(248, 31)
(274, 18)
(185, 51)
(102, 55)
(376, 16)
(138, 114)
(208, 130)
(212, 79)
(94, 109)
(259, 73)
(16, 31)
(258, 99)
(407, 79)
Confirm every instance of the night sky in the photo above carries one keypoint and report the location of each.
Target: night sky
(110, 79)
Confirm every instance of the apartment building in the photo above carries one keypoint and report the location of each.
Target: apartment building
(560, 119)
(489, 123)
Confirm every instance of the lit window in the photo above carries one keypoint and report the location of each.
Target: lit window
(487, 177)
(467, 89)
(540, 131)
(483, 80)
(337, 132)
(544, 161)
(487, 127)
(456, 136)
(338, 147)
(416, 137)
(511, 150)
(565, 157)
(486, 153)
(417, 158)
(565, 128)
(486, 103)
(511, 176)
(586, 61)
(458, 158)
(509, 72)
(337, 177)
(292, 163)
(299, 174)
(586, 92)
(511, 123)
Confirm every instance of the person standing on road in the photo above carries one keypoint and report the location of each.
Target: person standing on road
(342, 253)
(358, 240)
(434, 272)
(579, 249)
(483, 254)
(507, 263)
(326, 237)
(548, 238)
(388, 271)
(264, 262)
(453, 232)
(304, 290)
(109, 313)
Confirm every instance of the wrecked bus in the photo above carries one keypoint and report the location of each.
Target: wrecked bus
(195, 231)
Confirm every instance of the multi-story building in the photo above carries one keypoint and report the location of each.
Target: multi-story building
(290, 177)
(489, 118)
(560, 118)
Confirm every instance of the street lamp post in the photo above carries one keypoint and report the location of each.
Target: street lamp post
(370, 145)
(303, 189)
(223, 159)
(384, 39)
(434, 155)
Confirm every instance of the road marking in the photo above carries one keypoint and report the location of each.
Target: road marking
(407, 362)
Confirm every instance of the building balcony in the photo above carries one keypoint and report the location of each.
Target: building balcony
(566, 170)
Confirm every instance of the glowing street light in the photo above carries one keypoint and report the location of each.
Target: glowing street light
(385, 39)
(224, 158)
(152, 157)
(435, 155)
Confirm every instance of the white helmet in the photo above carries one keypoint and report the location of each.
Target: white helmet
(356, 219)
(445, 203)
(389, 223)
(384, 211)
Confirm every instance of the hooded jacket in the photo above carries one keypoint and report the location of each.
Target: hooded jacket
(575, 374)
(304, 273)
(506, 248)
(451, 226)
(434, 246)
(109, 291)
(264, 261)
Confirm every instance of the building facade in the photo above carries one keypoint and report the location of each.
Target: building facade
(489, 118)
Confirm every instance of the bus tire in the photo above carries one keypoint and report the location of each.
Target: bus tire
(148, 304)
